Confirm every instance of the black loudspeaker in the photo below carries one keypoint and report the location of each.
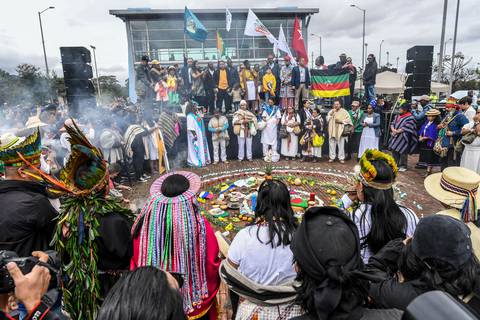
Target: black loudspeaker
(419, 71)
(77, 74)
(420, 53)
(75, 55)
(420, 66)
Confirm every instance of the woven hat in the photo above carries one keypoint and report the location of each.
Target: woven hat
(432, 112)
(451, 103)
(195, 182)
(424, 98)
(11, 146)
(155, 62)
(456, 187)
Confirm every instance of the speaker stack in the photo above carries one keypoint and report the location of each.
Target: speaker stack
(77, 74)
(419, 71)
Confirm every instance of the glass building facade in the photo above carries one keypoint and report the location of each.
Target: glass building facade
(159, 34)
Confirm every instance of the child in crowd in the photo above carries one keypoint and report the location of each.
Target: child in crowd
(161, 88)
(172, 86)
(307, 142)
(269, 84)
(236, 96)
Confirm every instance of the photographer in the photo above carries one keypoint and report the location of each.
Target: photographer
(30, 289)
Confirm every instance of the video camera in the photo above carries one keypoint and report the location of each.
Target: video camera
(26, 264)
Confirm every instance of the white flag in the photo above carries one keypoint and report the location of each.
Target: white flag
(282, 45)
(228, 20)
(255, 28)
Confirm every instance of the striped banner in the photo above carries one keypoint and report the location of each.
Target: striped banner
(329, 83)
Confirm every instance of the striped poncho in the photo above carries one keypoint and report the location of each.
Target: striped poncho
(405, 142)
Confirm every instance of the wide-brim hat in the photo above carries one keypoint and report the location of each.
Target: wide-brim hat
(441, 185)
(154, 62)
(424, 98)
(432, 113)
(11, 146)
(193, 179)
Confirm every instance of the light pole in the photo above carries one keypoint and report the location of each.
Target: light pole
(454, 47)
(380, 55)
(363, 35)
(96, 71)
(320, 43)
(398, 58)
(388, 59)
(43, 39)
(442, 39)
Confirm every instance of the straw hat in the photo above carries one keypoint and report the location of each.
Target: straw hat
(154, 62)
(9, 140)
(439, 186)
(432, 112)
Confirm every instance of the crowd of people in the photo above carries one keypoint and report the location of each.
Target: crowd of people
(368, 258)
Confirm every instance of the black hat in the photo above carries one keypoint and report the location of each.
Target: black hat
(145, 58)
(442, 238)
(406, 106)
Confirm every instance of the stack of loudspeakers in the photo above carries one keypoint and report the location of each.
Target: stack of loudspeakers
(419, 71)
(77, 74)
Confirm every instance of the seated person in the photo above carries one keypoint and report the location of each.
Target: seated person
(261, 260)
(170, 234)
(326, 248)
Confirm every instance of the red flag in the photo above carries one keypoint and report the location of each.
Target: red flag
(297, 41)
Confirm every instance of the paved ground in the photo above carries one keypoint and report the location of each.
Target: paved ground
(410, 182)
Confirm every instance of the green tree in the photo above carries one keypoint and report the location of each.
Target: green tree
(110, 88)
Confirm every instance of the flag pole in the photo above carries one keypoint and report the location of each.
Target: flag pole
(185, 44)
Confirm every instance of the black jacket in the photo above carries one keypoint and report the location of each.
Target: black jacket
(389, 293)
(370, 73)
(209, 80)
(26, 217)
(234, 75)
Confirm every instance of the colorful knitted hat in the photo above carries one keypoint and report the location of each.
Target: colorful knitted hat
(172, 237)
(451, 103)
(12, 148)
(367, 172)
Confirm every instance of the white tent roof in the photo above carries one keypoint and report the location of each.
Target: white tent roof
(393, 83)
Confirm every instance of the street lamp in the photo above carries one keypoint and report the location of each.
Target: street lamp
(96, 70)
(320, 38)
(43, 39)
(363, 34)
(380, 55)
(398, 58)
(454, 46)
(388, 59)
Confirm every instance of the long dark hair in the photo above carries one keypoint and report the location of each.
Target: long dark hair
(274, 207)
(387, 220)
(434, 274)
(354, 292)
(137, 296)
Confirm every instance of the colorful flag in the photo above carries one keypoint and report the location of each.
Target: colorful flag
(329, 83)
(220, 45)
(193, 27)
(228, 19)
(255, 28)
(297, 41)
(282, 45)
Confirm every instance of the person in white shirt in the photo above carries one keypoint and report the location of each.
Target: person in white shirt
(471, 152)
(466, 105)
(271, 118)
(245, 128)
(378, 217)
(261, 252)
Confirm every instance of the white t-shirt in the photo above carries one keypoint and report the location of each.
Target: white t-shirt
(470, 113)
(259, 261)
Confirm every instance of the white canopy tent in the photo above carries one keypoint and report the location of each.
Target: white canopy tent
(393, 83)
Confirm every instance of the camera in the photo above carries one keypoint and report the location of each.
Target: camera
(26, 264)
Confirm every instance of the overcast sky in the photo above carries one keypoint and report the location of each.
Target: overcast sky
(401, 23)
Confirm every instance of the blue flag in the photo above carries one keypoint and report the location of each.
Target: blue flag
(193, 27)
